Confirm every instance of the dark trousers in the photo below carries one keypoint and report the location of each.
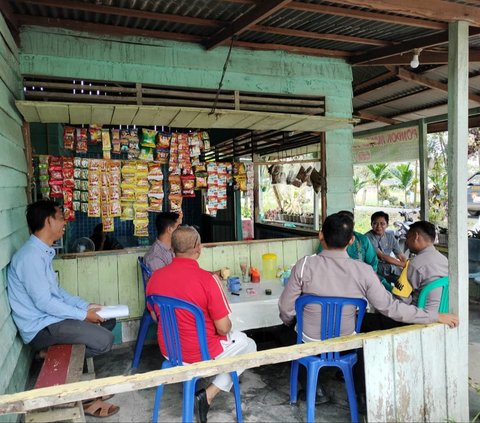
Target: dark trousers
(98, 339)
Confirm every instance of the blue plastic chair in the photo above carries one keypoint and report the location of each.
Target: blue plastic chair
(165, 308)
(330, 328)
(146, 318)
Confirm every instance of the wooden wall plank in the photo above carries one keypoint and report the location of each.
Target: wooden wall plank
(124, 115)
(12, 155)
(277, 249)
(434, 377)
(8, 333)
(102, 113)
(53, 113)
(222, 256)
(11, 220)
(379, 379)
(108, 280)
(9, 363)
(7, 36)
(205, 260)
(455, 398)
(29, 111)
(304, 248)
(12, 178)
(289, 252)
(7, 105)
(128, 284)
(4, 308)
(80, 113)
(10, 244)
(88, 284)
(67, 275)
(409, 400)
(11, 129)
(256, 251)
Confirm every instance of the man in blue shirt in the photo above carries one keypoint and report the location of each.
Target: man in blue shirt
(44, 313)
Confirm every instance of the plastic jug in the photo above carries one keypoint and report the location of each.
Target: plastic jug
(269, 266)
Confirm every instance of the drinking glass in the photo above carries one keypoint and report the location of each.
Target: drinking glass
(243, 261)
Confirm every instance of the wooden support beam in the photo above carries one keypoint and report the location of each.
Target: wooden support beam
(122, 11)
(423, 161)
(426, 58)
(11, 19)
(318, 36)
(369, 16)
(390, 73)
(261, 11)
(430, 83)
(375, 118)
(104, 29)
(22, 402)
(293, 49)
(439, 10)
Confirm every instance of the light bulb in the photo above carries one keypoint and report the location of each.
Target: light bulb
(414, 63)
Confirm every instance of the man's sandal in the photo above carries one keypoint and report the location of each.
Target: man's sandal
(99, 408)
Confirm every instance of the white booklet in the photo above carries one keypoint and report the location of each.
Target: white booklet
(112, 312)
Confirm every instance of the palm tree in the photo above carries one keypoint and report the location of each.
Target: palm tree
(379, 172)
(404, 176)
(358, 184)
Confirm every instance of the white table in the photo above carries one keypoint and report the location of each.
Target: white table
(253, 311)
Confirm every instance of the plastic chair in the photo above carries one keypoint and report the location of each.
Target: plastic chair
(444, 299)
(165, 309)
(146, 318)
(330, 328)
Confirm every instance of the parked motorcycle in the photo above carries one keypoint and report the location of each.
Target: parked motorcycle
(402, 227)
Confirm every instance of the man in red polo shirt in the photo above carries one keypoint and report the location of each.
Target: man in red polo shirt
(184, 279)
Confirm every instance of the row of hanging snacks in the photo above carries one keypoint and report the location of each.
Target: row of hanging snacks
(219, 176)
(140, 207)
(155, 193)
(43, 176)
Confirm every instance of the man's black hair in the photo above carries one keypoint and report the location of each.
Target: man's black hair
(379, 214)
(38, 212)
(425, 229)
(164, 220)
(337, 230)
(346, 213)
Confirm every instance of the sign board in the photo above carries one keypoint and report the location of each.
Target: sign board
(396, 145)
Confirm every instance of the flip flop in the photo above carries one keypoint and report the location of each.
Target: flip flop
(99, 408)
(91, 401)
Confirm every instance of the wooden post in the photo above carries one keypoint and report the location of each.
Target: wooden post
(457, 340)
(323, 173)
(423, 161)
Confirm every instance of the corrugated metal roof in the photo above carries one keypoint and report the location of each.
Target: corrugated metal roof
(351, 31)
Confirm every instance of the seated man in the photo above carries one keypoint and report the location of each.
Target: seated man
(361, 248)
(385, 244)
(44, 313)
(333, 273)
(160, 253)
(426, 266)
(184, 279)
(103, 241)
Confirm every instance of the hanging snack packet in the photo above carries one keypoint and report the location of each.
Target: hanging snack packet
(115, 141)
(188, 186)
(81, 147)
(175, 185)
(124, 137)
(108, 224)
(140, 227)
(201, 180)
(163, 142)
(95, 132)
(127, 211)
(175, 203)
(68, 137)
(133, 144)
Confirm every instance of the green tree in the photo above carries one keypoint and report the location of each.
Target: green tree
(437, 178)
(404, 176)
(358, 184)
(378, 173)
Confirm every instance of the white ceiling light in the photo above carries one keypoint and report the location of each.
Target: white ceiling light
(415, 62)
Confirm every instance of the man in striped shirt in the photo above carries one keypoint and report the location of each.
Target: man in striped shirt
(185, 280)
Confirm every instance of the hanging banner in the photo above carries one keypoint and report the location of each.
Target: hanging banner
(397, 145)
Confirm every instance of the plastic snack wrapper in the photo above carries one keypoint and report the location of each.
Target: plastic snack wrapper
(68, 138)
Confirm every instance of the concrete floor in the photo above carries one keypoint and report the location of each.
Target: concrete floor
(264, 391)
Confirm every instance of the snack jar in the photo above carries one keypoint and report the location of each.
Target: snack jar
(269, 266)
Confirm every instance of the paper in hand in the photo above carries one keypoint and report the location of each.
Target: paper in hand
(112, 312)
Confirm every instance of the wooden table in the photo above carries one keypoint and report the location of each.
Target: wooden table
(253, 310)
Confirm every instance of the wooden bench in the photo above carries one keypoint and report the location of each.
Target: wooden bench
(63, 364)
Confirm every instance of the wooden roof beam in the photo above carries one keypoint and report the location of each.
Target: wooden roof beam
(318, 36)
(429, 83)
(293, 49)
(121, 11)
(11, 19)
(426, 58)
(259, 12)
(374, 81)
(369, 16)
(440, 10)
(376, 118)
(104, 29)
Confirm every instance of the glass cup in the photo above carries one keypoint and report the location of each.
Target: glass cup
(243, 261)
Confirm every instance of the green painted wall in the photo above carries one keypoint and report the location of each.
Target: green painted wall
(14, 357)
(63, 53)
